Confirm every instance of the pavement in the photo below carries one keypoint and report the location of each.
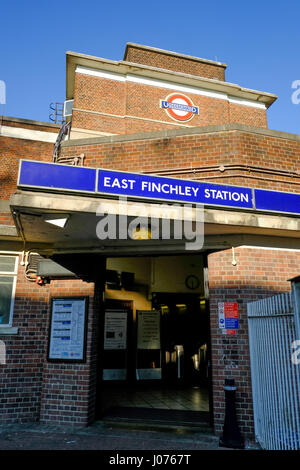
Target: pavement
(104, 436)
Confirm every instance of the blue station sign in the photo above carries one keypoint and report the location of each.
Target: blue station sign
(171, 189)
(65, 178)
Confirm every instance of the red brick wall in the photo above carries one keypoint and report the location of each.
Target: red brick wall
(258, 274)
(11, 151)
(139, 104)
(67, 388)
(98, 94)
(171, 62)
(33, 389)
(144, 101)
(249, 159)
(21, 377)
(241, 114)
(6, 218)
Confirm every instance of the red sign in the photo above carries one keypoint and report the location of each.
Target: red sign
(231, 310)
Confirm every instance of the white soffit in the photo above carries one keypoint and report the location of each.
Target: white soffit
(28, 134)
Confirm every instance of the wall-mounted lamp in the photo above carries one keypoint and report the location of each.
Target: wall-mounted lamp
(141, 232)
(58, 221)
(234, 261)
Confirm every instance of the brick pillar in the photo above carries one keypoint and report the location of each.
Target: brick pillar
(21, 377)
(68, 395)
(259, 273)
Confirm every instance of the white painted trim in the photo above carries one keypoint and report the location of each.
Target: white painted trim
(101, 73)
(128, 116)
(8, 330)
(13, 292)
(268, 248)
(242, 102)
(88, 131)
(175, 86)
(28, 134)
(167, 85)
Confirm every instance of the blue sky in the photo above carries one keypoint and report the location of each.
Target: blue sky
(259, 41)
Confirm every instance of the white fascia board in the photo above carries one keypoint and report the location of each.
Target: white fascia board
(28, 134)
(167, 85)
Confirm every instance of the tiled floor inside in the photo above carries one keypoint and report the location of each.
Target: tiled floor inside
(189, 398)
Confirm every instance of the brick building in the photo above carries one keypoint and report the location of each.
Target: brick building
(155, 113)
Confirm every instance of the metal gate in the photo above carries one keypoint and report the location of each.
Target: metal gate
(275, 376)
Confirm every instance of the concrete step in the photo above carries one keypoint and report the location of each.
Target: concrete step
(158, 419)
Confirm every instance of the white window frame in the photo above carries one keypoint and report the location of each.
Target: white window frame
(13, 274)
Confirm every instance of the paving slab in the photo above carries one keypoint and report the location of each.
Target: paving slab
(102, 436)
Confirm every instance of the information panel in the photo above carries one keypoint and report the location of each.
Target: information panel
(115, 330)
(115, 345)
(148, 336)
(68, 329)
(148, 360)
(228, 317)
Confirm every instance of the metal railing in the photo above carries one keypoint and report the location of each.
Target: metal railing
(275, 378)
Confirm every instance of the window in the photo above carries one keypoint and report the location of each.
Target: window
(8, 278)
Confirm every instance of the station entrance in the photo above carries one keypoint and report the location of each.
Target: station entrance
(155, 340)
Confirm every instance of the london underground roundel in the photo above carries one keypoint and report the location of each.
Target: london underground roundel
(179, 107)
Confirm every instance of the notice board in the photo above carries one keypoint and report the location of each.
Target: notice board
(115, 330)
(148, 334)
(115, 345)
(148, 353)
(67, 338)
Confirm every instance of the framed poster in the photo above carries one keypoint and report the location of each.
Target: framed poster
(68, 325)
(148, 354)
(148, 333)
(115, 330)
(115, 345)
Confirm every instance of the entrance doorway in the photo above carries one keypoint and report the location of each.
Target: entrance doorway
(161, 370)
(184, 338)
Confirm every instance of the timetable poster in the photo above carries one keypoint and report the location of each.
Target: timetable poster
(67, 334)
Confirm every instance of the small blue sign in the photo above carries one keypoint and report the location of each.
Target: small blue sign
(231, 323)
